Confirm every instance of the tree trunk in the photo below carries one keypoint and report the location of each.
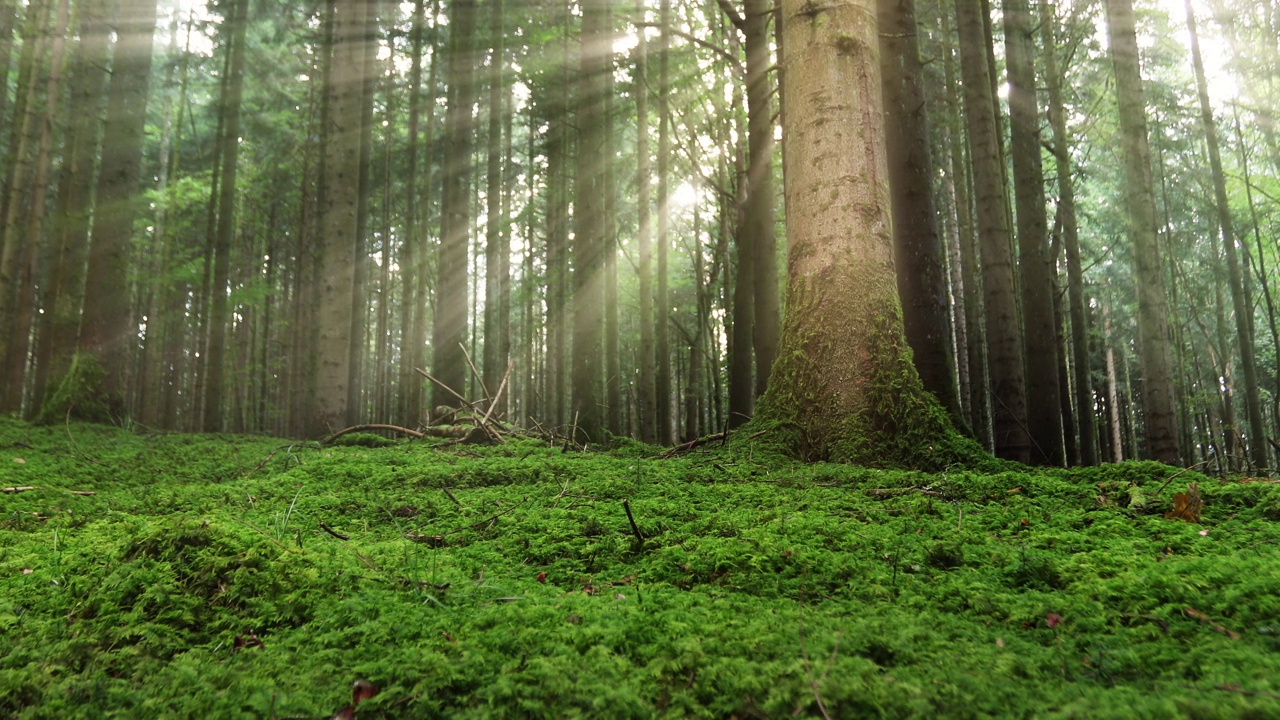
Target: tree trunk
(1004, 340)
(1044, 418)
(1153, 313)
(24, 309)
(229, 147)
(646, 414)
(843, 388)
(589, 222)
(497, 248)
(918, 249)
(1243, 311)
(339, 226)
(450, 329)
(760, 216)
(1082, 375)
(75, 199)
(104, 327)
(662, 320)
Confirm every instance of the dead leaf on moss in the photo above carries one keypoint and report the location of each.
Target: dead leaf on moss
(1186, 506)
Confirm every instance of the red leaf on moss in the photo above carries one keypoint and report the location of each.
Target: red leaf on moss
(1052, 619)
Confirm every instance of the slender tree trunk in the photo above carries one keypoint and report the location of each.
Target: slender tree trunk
(65, 297)
(918, 249)
(646, 408)
(1243, 310)
(450, 329)
(14, 204)
(1044, 418)
(497, 254)
(104, 327)
(760, 215)
(34, 250)
(1263, 278)
(423, 288)
(1153, 314)
(589, 242)
(229, 145)
(662, 321)
(367, 59)
(976, 347)
(1004, 340)
(1082, 374)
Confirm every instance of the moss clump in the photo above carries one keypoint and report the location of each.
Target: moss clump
(79, 395)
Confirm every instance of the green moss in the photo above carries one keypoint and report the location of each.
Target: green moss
(897, 424)
(895, 593)
(79, 395)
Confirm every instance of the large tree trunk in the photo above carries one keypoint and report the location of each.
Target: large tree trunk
(104, 327)
(1243, 310)
(843, 387)
(1044, 418)
(1004, 339)
(1139, 195)
(918, 249)
(339, 227)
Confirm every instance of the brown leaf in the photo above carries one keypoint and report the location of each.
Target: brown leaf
(362, 690)
(1186, 506)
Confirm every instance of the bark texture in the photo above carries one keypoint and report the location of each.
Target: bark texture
(1154, 337)
(843, 387)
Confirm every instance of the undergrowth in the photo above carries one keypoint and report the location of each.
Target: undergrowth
(208, 576)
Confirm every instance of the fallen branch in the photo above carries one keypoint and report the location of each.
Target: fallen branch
(361, 428)
(451, 497)
(19, 489)
(82, 493)
(1183, 470)
(698, 442)
(475, 410)
(333, 532)
(626, 505)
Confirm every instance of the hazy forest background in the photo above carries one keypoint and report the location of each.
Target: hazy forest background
(278, 216)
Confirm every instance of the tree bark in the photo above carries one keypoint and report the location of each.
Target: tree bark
(1004, 340)
(450, 329)
(1082, 375)
(918, 249)
(1243, 310)
(590, 205)
(760, 215)
(1044, 418)
(646, 409)
(1139, 195)
(662, 320)
(229, 147)
(497, 245)
(844, 388)
(104, 327)
(339, 227)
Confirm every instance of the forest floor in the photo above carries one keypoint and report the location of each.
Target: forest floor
(149, 575)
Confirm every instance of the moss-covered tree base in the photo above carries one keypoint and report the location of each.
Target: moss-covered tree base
(79, 395)
(852, 395)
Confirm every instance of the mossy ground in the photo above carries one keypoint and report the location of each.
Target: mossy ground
(761, 585)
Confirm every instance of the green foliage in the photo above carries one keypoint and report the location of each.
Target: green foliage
(505, 581)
